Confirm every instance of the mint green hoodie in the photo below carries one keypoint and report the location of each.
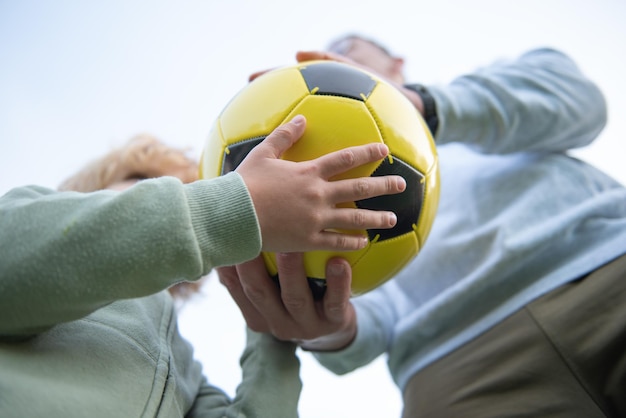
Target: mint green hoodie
(87, 328)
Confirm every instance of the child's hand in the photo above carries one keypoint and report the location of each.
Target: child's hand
(296, 203)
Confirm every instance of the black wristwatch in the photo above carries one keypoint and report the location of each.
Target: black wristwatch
(430, 107)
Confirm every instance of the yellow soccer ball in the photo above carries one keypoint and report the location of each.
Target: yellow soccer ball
(344, 106)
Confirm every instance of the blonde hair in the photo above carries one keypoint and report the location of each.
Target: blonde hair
(142, 157)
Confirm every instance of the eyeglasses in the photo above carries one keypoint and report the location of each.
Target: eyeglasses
(344, 45)
(341, 46)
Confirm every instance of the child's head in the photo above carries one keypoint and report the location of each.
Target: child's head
(142, 157)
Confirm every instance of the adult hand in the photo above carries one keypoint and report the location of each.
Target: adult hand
(290, 312)
(297, 203)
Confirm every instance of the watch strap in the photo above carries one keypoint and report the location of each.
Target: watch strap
(430, 107)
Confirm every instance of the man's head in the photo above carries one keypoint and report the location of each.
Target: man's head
(370, 54)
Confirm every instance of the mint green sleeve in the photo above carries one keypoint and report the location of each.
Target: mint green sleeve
(65, 254)
(270, 385)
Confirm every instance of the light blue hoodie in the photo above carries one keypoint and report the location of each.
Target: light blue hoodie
(517, 218)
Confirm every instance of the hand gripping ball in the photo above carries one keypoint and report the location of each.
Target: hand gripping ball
(344, 106)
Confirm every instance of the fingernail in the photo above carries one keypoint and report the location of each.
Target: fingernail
(401, 183)
(298, 120)
(393, 219)
(336, 268)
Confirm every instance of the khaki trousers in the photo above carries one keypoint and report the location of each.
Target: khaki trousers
(563, 355)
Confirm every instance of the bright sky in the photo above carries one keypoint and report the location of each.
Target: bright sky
(78, 78)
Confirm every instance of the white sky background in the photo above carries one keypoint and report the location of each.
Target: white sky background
(78, 78)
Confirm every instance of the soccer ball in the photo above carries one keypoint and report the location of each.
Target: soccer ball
(344, 106)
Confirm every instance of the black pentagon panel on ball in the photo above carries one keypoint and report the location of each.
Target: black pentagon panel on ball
(406, 205)
(237, 152)
(335, 79)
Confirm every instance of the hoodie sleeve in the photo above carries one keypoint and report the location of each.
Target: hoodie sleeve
(65, 254)
(538, 102)
(270, 385)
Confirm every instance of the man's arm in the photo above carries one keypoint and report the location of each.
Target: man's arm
(538, 102)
